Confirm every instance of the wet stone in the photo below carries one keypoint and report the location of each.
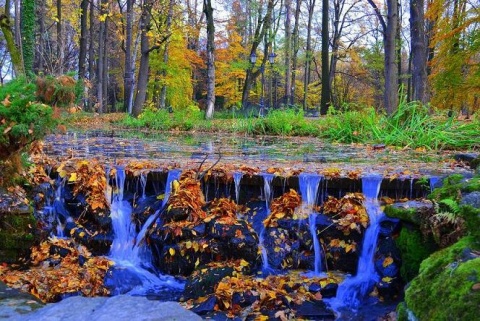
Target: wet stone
(120, 280)
(472, 199)
(204, 280)
(314, 310)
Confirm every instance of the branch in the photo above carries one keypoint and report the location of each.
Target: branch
(379, 15)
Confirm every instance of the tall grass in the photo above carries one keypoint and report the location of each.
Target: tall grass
(412, 125)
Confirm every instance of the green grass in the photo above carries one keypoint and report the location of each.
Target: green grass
(412, 126)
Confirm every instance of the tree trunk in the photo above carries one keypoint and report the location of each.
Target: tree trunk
(391, 68)
(128, 77)
(60, 53)
(28, 35)
(325, 98)
(91, 54)
(143, 70)
(82, 55)
(208, 10)
(41, 31)
(105, 68)
(263, 25)
(419, 51)
(308, 52)
(288, 51)
(296, 47)
(16, 57)
(163, 91)
(100, 59)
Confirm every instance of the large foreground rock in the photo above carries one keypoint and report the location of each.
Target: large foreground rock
(118, 308)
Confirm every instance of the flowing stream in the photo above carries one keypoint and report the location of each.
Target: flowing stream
(353, 290)
(308, 184)
(267, 191)
(127, 250)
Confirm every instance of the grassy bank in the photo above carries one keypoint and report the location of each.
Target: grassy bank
(411, 126)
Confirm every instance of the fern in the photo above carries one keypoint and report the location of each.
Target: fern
(449, 205)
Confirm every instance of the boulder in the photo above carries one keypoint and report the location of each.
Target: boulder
(119, 308)
(411, 211)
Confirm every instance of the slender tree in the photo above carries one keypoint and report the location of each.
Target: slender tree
(82, 55)
(60, 52)
(419, 51)
(28, 35)
(288, 51)
(15, 54)
(208, 10)
(296, 48)
(326, 94)
(128, 77)
(308, 51)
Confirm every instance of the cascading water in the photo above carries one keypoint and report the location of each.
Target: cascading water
(433, 180)
(351, 292)
(309, 184)
(237, 177)
(125, 250)
(267, 191)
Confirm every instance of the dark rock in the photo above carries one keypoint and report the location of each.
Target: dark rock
(204, 280)
(120, 280)
(466, 157)
(206, 306)
(63, 252)
(472, 199)
(329, 291)
(314, 310)
(389, 226)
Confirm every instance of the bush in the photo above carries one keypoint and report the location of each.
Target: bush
(22, 121)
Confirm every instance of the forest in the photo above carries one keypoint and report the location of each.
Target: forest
(129, 55)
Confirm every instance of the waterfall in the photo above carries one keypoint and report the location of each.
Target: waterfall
(267, 191)
(433, 180)
(308, 184)
(126, 249)
(237, 177)
(351, 292)
(143, 183)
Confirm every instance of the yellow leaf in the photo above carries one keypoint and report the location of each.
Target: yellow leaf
(171, 251)
(387, 279)
(81, 234)
(388, 260)
(73, 177)
(188, 244)
(197, 262)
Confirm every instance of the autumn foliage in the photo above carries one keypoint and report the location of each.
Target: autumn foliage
(59, 267)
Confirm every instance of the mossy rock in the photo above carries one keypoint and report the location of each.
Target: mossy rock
(16, 234)
(414, 249)
(454, 186)
(412, 211)
(447, 286)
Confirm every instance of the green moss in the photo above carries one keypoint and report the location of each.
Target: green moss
(16, 236)
(454, 185)
(471, 216)
(414, 249)
(402, 314)
(443, 289)
(407, 214)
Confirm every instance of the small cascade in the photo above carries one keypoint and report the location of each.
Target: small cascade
(237, 177)
(173, 175)
(127, 253)
(267, 191)
(351, 292)
(56, 212)
(143, 183)
(433, 180)
(309, 184)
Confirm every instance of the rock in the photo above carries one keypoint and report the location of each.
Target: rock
(314, 310)
(412, 211)
(203, 281)
(466, 157)
(206, 306)
(121, 280)
(14, 302)
(472, 199)
(118, 308)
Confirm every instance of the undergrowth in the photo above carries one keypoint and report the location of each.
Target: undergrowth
(411, 126)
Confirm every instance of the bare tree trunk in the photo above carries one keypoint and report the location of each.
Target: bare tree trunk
(41, 39)
(60, 53)
(82, 56)
(163, 92)
(15, 54)
(391, 67)
(263, 25)
(296, 47)
(143, 70)
(308, 52)
(91, 54)
(288, 51)
(18, 35)
(101, 60)
(105, 68)
(208, 10)
(325, 97)
(128, 78)
(419, 51)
